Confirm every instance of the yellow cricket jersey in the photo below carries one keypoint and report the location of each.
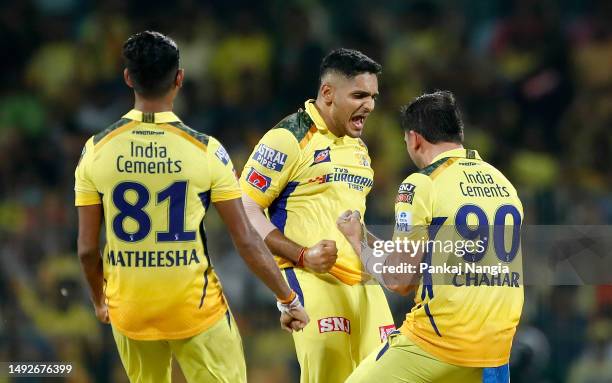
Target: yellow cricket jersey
(306, 177)
(155, 178)
(470, 299)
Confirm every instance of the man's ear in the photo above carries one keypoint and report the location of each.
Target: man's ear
(180, 76)
(327, 92)
(417, 140)
(127, 78)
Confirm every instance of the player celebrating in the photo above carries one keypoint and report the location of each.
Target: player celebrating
(152, 178)
(461, 327)
(307, 170)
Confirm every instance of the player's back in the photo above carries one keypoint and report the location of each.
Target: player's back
(470, 300)
(156, 178)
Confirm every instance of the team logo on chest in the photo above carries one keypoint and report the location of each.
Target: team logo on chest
(322, 155)
(362, 158)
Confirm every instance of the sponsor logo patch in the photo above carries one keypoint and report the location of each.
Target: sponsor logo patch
(258, 180)
(320, 156)
(403, 221)
(406, 193)
(148, 132)
(331, 324)
(384, 331)
(221, 153)
(270, 158)
(354, 181)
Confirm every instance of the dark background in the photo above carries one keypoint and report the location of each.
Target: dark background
(534, 80)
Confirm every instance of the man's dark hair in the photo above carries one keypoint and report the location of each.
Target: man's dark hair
(435, 116)
(152, 60)
(349, 62)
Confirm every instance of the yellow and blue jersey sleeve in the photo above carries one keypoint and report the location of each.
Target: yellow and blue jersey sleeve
(270, 166)
(224, 185)
(413, 206)
(84, 189)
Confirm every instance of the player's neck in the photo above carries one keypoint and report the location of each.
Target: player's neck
(325, 113)
(163, 104)
(440, 148)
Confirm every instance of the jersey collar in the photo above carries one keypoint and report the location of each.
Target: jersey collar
(461, 153)
(316, 117)
(314, 114)
(152, 118)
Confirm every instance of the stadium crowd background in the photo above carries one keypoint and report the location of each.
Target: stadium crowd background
(534, 79)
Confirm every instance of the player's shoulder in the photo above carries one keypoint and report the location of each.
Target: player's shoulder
(88, 148)
(413, 180)
(97, 138)
(499, 176)
(296, 125)
(198, 136)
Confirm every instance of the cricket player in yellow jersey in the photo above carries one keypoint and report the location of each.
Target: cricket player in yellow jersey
(470, 296)
(305, 171)
(151, 178)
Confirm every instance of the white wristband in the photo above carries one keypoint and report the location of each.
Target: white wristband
(286, 307)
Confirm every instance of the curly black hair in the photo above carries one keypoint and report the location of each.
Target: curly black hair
(152, 59)
(349, 62)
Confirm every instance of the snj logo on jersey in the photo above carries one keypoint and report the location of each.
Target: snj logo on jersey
(331, 324)
(354, 181)
(258, 180)
(221, 153)
(320, 156)
(405, 193)
(270, 158)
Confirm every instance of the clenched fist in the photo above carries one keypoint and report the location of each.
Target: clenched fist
(321, 257)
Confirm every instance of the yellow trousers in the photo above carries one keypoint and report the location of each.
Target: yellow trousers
(400, 360)
(346, 324)
(215, 355)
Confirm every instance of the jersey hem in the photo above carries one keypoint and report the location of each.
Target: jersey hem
(226, 196)
(87, 202)
(447, 359)
(344, 277)
(208, 323)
